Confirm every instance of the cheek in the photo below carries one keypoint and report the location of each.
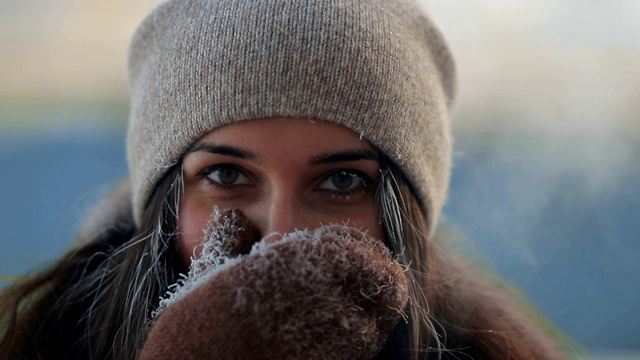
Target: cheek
(372, 225)
(375, 230)
(191, 222)
(366, 218)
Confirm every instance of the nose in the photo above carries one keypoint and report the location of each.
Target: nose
(281, 212)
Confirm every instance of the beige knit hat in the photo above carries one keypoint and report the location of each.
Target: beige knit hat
(378, 67)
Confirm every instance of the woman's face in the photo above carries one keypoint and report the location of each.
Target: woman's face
(284, 174)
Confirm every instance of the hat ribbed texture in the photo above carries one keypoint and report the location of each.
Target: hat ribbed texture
(380, 68)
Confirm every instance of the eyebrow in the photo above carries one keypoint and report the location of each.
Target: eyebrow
(321, 159)
(222, 150)
(350, 155)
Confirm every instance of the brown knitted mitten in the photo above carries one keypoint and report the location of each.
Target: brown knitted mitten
(331, 293)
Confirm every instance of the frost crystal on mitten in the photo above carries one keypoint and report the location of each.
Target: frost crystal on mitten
(329, 293)
(334, 282)
(229, 235)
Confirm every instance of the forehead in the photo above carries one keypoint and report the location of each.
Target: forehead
(298, 134)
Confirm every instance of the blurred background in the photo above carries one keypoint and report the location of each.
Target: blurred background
(546, 178)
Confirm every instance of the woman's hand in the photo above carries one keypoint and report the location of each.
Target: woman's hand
(331, 293)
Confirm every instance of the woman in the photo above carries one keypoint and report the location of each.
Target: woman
(293, 158)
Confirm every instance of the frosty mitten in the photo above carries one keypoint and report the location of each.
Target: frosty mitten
(332, 293)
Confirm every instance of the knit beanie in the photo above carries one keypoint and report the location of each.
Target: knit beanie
(377, 67)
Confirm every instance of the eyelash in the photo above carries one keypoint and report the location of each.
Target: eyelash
(340, 195)
(363, 179)
(206, 173)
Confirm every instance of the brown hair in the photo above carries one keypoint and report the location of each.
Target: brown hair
(455, 311)
(97, 300)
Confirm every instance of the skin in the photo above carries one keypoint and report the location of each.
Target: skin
(284, 174)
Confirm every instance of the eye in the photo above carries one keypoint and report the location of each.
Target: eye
(226, 174)
(344, 180)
